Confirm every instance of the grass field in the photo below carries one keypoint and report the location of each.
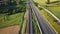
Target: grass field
(55, 10)
(25, 22)
(9, 20)
(44, 2)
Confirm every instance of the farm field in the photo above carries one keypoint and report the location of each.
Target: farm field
(15, 19)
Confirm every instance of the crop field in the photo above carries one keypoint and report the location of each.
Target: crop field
(10, 20)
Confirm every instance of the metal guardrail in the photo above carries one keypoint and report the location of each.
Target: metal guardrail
(50, 13)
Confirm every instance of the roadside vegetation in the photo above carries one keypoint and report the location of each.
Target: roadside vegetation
(47, 2)
(51, 20)
(55, 10)
(24, 26)
(25, 22)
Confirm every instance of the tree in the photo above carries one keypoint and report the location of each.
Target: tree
(48, 1)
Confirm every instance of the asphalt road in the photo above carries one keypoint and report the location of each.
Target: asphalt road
(30, 25)
(43, 23)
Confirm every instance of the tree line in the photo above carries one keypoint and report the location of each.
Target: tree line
(21, 8)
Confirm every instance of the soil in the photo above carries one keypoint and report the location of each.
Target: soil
(10, 30)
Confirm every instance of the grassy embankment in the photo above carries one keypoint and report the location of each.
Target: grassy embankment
(25, 23)
(9, 20)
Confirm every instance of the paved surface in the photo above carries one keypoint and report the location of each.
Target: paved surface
(30, 26)
(45, 27)
(29, 21)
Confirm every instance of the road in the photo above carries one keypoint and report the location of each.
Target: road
(43, 23)
(30, 25)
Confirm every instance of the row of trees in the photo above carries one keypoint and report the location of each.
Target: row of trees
(10, 2)
(21, 8)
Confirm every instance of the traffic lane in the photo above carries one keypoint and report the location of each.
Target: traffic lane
(33, 29)
(29, 26)
(30, 20)
(43, 23)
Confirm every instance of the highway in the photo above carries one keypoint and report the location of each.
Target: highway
(43, 23)
(30, 25)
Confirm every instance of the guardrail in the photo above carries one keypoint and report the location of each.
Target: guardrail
(50, 13)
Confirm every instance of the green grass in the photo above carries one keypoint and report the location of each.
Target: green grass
(37, 31)
(40, 2)
(25, 23)
(24, 26)
(10, 20)
(55, 10)
(44, 2)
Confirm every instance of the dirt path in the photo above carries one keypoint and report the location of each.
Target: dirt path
(10, 30)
